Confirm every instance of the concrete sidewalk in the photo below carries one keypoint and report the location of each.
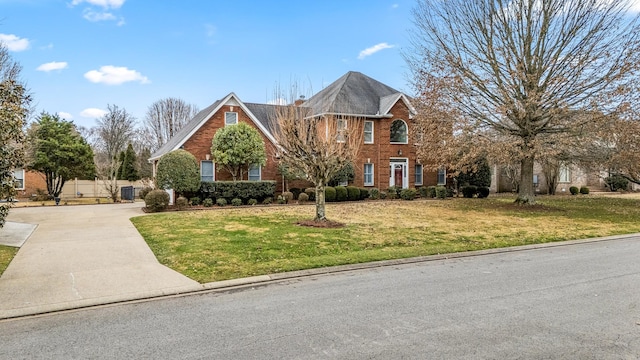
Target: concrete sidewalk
(81, 256)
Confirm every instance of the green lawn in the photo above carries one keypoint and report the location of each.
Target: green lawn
(6, 255)
(231, 243)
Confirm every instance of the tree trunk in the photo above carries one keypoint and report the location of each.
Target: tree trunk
(320, 213)
(526, 194)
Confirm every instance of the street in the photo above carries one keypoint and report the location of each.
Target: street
(568, 302)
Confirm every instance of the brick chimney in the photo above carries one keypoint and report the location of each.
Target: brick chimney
(300, 101)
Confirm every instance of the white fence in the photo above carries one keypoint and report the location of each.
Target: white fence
(95, 188)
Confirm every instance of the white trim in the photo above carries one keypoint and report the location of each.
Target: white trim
(364, 174)
(213, 169)
(259, 173)
(225, 118)
(372, 131)
(415, 169)
(406, 134)
(340, 131)
(444, 172)
(406, 101)
(405, 171)
(23, 179)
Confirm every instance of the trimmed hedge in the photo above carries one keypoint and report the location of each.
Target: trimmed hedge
(329, 194)
(408, 194)
(374, 193)
(483, 192)
(353, 193)
(574, 190)
(469, 191)
(303, 197)
(441, 192)
(243, 190)
(341, 193)
(364, 194)
(584, 190)
(311, 192)
(156, 200)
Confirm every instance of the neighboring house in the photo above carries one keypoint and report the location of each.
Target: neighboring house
(28, 183)
(570, 175)
(387, 156)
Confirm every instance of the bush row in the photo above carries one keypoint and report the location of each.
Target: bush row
(243, 190)
(472, 190)
(574, 190)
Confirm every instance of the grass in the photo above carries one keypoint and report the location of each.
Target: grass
(6, 255)
(231, 243)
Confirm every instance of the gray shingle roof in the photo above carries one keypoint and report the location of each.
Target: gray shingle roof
(353, 93)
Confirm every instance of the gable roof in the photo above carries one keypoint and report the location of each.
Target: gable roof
(356, 94)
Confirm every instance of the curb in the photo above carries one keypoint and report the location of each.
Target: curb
(242, 283)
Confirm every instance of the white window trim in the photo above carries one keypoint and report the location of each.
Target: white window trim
(259, 174)
(421, 174)
(23, 179)
(213, 168)
(406, 135)
(444, 171)
(372, 131)
(225, 118)
(372, 175)
(564, 169)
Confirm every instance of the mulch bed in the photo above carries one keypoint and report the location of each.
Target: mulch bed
(321, 224)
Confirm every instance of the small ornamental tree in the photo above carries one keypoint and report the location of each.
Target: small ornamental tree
(236, 148)
(178, 170)
(57, 150)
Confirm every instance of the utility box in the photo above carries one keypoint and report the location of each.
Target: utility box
(126, 193)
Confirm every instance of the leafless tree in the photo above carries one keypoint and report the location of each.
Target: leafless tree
(317, 146)
(516, 67)
(114, 131)
(164, 118)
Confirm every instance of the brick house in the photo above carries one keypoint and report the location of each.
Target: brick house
(387, 156)
(28, 183)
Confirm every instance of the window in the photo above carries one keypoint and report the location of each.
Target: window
(368, 132)
(18, 175)
(206, 170)
(398, 132)
(341, 127)
(418, 174)
(230, 118)
(442, 176)
(564, 175)
(255, 173)
(368, 174)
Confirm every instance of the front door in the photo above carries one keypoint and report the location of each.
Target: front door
(398, 175)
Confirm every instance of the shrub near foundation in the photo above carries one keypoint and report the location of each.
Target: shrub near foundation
(329, 194)
(156, 200)
(353, 193)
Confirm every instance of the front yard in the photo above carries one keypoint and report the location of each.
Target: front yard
(231, 243)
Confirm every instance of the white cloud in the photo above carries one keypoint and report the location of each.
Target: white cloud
(113, 4)
(395, 6)
(47, 47)
(374, 49)
(54, 65)
(14, 43)
(113, 75)
(92, 113)
(65, 115)
(97, 16)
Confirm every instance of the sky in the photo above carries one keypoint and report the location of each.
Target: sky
(79, 56)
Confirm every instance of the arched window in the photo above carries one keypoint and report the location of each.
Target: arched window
(398, 132)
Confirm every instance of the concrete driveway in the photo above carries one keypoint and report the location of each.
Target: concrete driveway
(82, 256)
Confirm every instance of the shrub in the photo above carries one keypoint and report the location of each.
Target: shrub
(469, 191)
(364, 194)
(341, 193)
(422, 191)
(329, 194)
(383, 195)
(236, 202)
(252, 202)
(574, 190)
(221, 202)
(617, 182)
(441, 192)
(244, 190)
(393, 191)
(431, 192)
(208, 202)
(374, 193)
(483, 192)
(181, 202)
(353, 193)
(178, 170)
(195, 201)
(295, 192)
(156, 200)
(143, 192)
(287, 196)
(267, 200)
(281, 200)
(408, 194)
(311, 192)
(303, 197)
(450, 192)
(584, 190)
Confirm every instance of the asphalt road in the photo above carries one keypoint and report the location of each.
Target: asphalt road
(572, 302)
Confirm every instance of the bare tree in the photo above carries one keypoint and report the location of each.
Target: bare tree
(164, 118)
(316, 146)
(517, 67)
(114, 131)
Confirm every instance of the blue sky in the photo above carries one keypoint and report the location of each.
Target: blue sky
(80, 55)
